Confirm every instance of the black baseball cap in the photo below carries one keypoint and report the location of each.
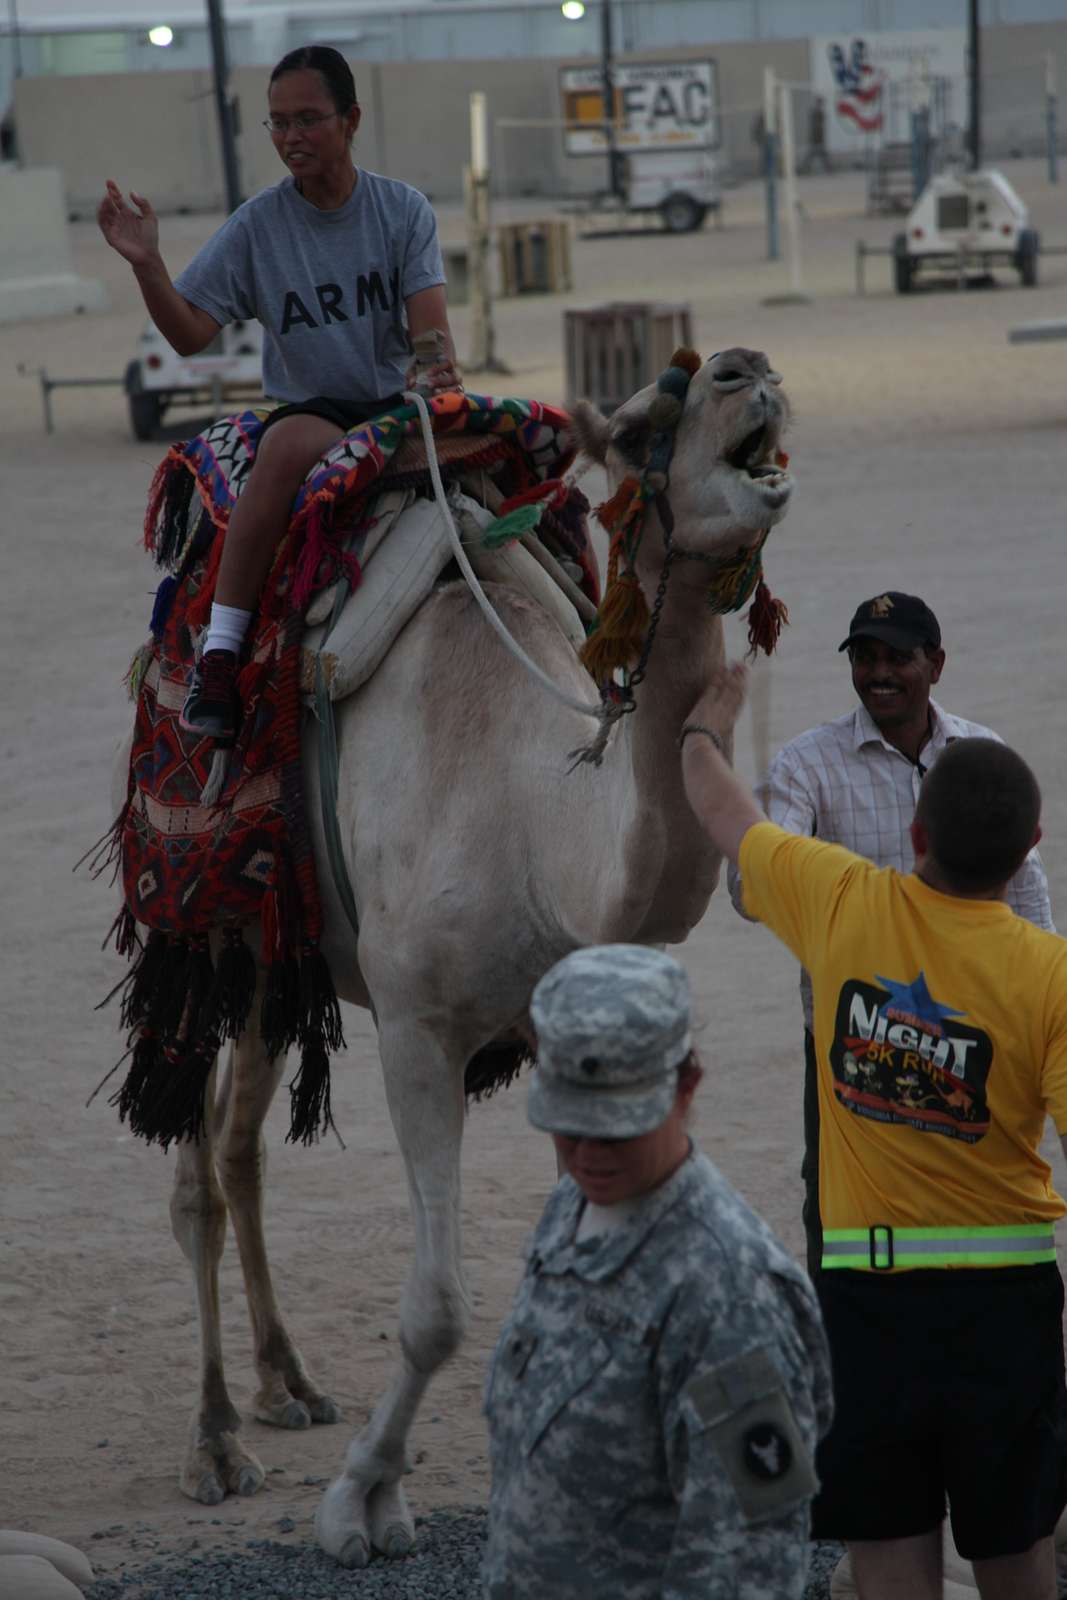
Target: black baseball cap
(901, 620)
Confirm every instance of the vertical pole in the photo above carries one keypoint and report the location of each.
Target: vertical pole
(1050, 117)
(223, 104)
(607, 78)
(482, 356)
(16, 38)
(770, 159)
(974, 64)
(789, 184)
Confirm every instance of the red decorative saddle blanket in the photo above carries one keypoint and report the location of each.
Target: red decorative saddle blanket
(192, 866)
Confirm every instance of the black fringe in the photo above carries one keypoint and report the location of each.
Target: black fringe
(172, 1104)
(309, 1095)
(496, 1066)
(123, 933)
(318, 1031)
(235, 985)
(177, 1007)
(172, 520)
(320, 1012)
(279, 1017)
(143, 1083)
(141, 998)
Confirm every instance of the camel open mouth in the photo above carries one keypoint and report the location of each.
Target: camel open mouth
(754, 455)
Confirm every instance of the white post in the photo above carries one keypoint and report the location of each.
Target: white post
(770, 159)
(789, 183)
(476, 184)
(479, 137)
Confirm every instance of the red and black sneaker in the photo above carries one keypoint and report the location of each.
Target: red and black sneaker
(212, 708)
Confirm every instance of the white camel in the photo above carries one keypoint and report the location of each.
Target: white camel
(477, 860)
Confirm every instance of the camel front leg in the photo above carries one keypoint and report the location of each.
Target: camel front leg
(215, 1460)
(286, 1396)
(365, 1508)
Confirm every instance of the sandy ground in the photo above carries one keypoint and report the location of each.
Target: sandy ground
(929, 457)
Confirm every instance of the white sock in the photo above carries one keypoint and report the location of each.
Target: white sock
(227, 628)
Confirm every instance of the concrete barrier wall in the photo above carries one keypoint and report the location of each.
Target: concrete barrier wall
(37, 277)
(157, 131)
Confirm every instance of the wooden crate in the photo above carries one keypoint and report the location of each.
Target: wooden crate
(535, 257)
(613, 350)
(456, 273)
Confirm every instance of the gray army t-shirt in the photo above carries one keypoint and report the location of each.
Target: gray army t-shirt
(328, 286)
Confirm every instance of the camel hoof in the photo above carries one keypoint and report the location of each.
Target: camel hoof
(210, 1491)
(249, 1481)
(395, 1542)
(292, 1414)
(355, 1552)
(324, 1409)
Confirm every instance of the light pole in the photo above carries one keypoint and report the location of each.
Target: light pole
(574, 11)
(974, 107)
(224, 105)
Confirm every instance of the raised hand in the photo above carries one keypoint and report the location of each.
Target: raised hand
(720, 704)
(133, 233)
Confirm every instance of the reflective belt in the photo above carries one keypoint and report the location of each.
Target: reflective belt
(881, 1248)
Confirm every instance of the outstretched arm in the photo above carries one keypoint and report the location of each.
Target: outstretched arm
(724, 806)
(133, 231)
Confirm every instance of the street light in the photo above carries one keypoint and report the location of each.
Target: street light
(161, 36)
(574, 11)
(974, 98)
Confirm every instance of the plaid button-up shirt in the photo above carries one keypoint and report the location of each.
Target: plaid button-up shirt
(844, 783)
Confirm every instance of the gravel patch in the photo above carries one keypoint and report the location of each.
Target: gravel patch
(445, 1566)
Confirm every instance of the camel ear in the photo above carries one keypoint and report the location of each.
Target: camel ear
(591, 430)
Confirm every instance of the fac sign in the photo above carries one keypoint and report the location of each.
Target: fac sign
(660, 105)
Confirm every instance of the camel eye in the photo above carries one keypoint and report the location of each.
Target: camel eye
(730, 376)
(632, 441)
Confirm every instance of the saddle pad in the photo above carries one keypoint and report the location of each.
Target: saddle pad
(401, 577)
(404, 569)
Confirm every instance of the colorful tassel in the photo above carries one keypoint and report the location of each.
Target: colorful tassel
(621, 625)
(162, 606)
(687, 359)
(134, 675)
(766, 619)
(504, 530)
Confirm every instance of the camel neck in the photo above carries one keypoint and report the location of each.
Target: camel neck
(665, 838)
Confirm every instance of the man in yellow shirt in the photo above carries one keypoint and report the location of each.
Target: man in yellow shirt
(941, 1043)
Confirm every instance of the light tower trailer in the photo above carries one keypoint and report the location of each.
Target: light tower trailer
(964, 221)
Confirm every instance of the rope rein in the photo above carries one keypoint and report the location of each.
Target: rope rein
(626, 627)
(583, 707)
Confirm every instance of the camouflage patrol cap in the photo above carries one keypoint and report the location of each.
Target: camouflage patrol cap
(612, 1026)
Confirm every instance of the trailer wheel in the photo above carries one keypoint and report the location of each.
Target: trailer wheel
(1026, 252)
(903, 265)
(681, 213)
(146, 405)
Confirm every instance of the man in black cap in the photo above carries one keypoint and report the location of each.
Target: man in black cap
(855, 782)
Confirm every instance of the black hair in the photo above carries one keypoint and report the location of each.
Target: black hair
(980, 806)
(332, 67)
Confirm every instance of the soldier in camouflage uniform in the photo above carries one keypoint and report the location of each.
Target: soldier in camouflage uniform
(658, 1389)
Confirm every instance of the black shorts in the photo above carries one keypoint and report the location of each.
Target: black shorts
(948, 1384)
(345, 414)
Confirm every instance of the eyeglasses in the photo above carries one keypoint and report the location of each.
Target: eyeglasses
(304, 121)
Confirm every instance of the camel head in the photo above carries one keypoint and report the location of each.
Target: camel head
(726, 485)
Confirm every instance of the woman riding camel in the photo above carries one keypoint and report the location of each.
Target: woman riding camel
(343, 269)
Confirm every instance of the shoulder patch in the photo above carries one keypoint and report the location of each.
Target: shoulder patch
(742, 1412)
